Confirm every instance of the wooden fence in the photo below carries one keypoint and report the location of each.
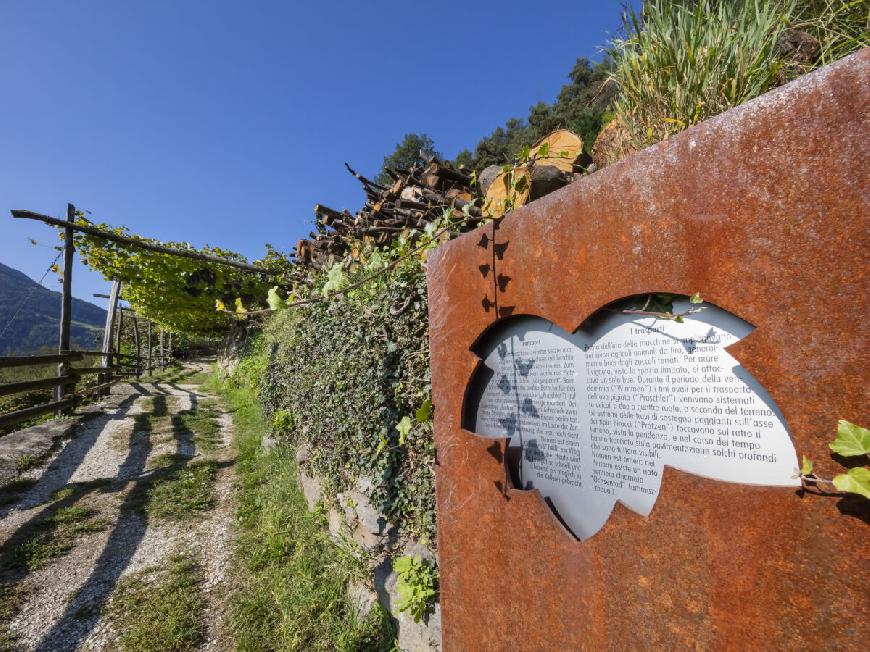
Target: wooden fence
(114, 366)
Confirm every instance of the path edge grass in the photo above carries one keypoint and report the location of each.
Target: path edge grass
(290, 580)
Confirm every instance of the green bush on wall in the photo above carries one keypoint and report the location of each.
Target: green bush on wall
(343, 374)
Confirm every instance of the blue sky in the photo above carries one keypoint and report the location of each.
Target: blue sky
(223, 122)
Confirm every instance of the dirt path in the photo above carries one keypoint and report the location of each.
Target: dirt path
(93, 518)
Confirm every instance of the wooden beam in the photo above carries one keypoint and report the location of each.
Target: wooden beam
(32, 360)
(27, 385)
(142, 244)
(91, 370)
(37, 410)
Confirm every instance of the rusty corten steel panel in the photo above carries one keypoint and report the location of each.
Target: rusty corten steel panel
(764, 209)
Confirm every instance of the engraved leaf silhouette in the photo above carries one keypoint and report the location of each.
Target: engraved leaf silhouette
(608, 407)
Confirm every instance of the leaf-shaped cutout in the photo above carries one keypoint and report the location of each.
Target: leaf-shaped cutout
(607, 407)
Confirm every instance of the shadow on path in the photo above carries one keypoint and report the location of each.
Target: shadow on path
(83, 609)
(63, 467)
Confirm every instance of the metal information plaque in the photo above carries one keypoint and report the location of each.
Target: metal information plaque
(594, 416)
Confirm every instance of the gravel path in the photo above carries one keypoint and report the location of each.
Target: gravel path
(61, 608)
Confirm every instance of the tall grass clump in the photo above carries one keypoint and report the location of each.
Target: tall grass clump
(683, 61)
(840, 26)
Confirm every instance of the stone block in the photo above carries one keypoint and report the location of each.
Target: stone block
(303, 453)
(311, 489)
(335, 523)
(362, 598)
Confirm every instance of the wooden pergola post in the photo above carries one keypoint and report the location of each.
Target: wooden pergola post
(138, 348)
(148, 367)
(105, 362)
(66, 302)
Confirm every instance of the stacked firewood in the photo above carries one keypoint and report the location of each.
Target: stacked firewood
(417, 197)
(420, 195)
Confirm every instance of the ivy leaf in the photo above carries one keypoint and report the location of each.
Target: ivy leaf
(807, 466)
(544, 150)
(696, 298)
(424, 411)
(382, 444)
(403, 564)
(274, 301)
(220, 305)
(856, 481)
(335, 279)
(851, 439)
(240, 307)
(404, 427)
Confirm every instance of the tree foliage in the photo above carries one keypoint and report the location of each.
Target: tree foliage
(406, 154)
(580, 107)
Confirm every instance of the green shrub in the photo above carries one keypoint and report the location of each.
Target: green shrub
(417, 585)
(346, 372)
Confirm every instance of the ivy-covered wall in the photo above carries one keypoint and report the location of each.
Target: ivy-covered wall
(349, 377)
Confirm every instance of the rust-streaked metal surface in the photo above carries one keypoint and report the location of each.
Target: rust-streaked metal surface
(764, 209)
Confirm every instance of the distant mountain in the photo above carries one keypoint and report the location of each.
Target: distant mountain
(35, 327)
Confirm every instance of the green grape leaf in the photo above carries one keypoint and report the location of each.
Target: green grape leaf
(275, 302)
(696, 298)
(240, 307)
(851, 440)
(856, 481)
(424, 411)
(544, 150)
(404, 427)
(220, 305)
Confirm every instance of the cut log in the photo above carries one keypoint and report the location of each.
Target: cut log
(546, 179)
(561, 149)
(500, 191)
(485, 179)
(612, 144)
